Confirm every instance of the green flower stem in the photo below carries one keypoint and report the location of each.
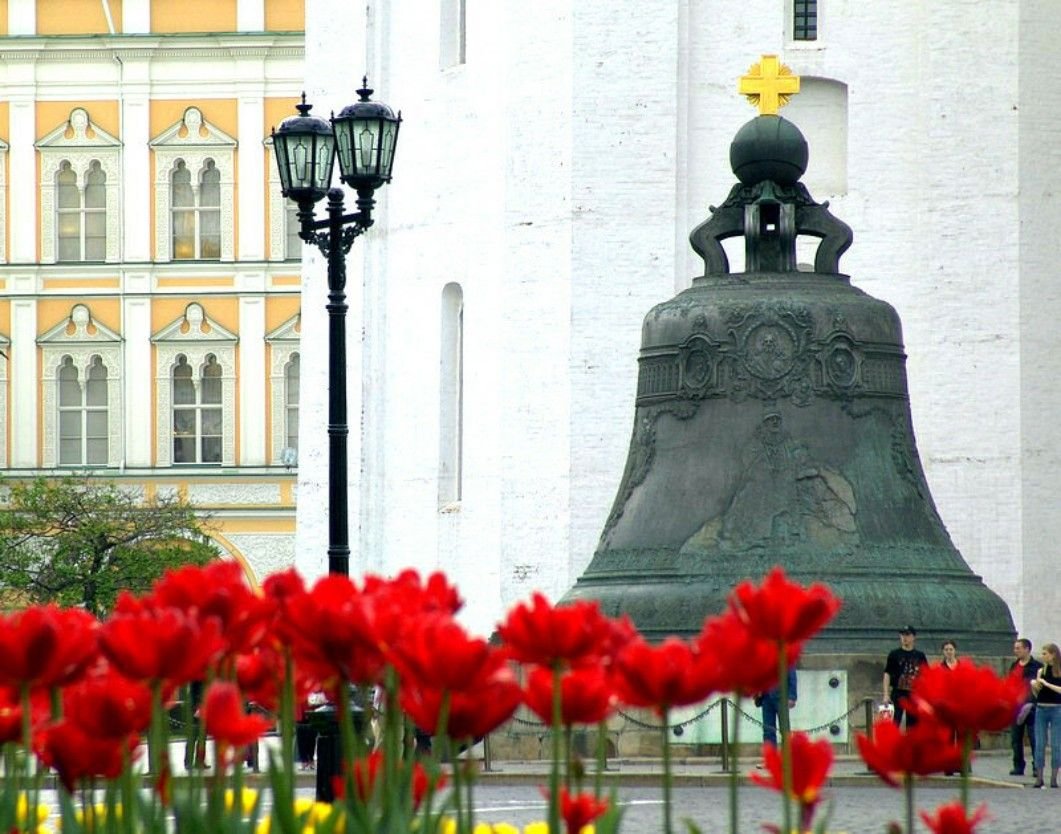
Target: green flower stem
(287, 731)
(908, 790)
(667, 811)
(458, 795)
(786, 746)
(154, 740)
(128, 792)
(33, 797)
(569, 745)
(734, 767)
(347, 745)
(602, 757)
(554, 770)
(967, 752)
(392, 729)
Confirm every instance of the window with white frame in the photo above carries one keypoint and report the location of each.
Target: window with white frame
(198, 410)
(81, 213)
(84, 430)
(194, 191)
(80, 166)
(196, 396)
(292, 371)
(285, 378)
(196, 212)
(82, 392)
(284, 226)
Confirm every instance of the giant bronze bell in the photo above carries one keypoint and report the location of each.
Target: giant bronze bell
(772, 426)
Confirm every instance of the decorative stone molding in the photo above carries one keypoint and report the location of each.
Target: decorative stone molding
(283, 343)
(278, 214)
(195, 336)
(213, 495)
(80, 337)
(3, 199)
(80, 142)
(265, 553)
(193, 140)
(5, 347)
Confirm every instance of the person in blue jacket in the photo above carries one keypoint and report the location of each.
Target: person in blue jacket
(770, 703)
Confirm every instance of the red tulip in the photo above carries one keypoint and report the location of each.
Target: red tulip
(333, 631)
(11, 712)
(77, 754)
(225, 720)
(218, 589)
(744, 663)
(781, 610)
(46, 646)
(108, 705)
(436, 652)
(580, 810)
(923, 749)
(260, 675)
(811, 761)
(367, 769)
(436, 595)
(968, 698)
(586, 695)
(484, 703)
(550, 635)
(672, 674)
(159, 645)
(951, 819)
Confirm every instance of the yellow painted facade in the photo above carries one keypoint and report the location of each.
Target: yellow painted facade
(59, 259)
(285, 15)
(175, 16)
(77, 17)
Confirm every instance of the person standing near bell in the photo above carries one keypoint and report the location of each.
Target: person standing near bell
(900, 670)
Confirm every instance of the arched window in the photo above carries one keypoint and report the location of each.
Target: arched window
(83, 423)
(292, 371)
(196, 212)
(451, 397)
(197, 412)
(81, 214)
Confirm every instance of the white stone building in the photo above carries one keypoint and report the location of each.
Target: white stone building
(553, 159)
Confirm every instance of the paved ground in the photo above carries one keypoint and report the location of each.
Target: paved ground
(860, 803)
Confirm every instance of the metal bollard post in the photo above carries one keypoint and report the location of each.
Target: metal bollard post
(868, 703)
(486, 754)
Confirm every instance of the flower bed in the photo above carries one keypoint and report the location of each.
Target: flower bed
(77, 695)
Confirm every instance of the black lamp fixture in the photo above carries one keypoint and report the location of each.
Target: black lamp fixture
(363, 136)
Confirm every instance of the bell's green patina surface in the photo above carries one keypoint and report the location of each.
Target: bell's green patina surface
(772, 426)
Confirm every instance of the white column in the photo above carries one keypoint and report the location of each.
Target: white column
(252, 381)
(251, 178)
(22, 17)
(24, 378)
(136, 158)
(136, 360)
(136, 17)
(250, 15)
(23, 189)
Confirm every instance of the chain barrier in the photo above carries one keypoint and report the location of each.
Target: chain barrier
(820, 728)
(681, 725)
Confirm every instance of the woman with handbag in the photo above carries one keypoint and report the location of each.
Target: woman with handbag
(1047, 689)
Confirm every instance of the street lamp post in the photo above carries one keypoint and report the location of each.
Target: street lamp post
(363, 136)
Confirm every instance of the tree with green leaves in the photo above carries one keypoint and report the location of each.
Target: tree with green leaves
(80, 540)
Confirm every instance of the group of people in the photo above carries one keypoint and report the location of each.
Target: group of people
(1038, 718)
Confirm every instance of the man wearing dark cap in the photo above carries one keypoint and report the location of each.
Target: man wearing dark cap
(901, 668)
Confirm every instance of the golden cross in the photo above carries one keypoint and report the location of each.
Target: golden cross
(769, 84)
